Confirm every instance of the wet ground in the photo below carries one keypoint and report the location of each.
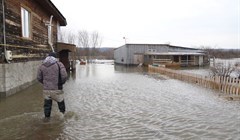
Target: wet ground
(120, 103)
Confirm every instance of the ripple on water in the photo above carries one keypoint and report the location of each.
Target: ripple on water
(105, 103)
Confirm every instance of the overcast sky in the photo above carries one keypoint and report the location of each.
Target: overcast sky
(188, 23)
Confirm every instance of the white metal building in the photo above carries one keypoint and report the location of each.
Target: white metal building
(135, 54)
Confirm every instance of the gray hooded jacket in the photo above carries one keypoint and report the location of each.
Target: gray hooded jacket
(48, 73)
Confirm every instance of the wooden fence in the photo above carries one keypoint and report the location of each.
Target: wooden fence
(227, 86)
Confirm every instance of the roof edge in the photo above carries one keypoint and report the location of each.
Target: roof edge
(47, 4)
(161, 45)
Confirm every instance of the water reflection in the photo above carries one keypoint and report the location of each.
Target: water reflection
(116, 102)
(130, 69)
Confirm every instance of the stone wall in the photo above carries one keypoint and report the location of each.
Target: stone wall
(15, 77)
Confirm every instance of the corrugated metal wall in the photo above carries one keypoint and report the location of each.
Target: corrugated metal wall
(125, 53)
(120, 55)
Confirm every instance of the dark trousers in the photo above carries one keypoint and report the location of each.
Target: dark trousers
(48, 107)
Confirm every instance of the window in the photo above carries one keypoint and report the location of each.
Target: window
(25, 23)
(151, 50)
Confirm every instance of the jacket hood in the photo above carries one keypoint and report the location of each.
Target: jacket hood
(50, 60)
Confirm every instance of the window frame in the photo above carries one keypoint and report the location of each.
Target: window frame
(26, 22)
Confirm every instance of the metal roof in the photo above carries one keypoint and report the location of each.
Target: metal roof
(174, 53)
(159, 45)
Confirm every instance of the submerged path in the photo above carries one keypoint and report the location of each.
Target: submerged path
(120, 103)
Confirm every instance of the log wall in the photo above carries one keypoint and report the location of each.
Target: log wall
(35, 47)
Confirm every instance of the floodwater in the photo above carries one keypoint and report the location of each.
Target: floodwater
(107, 102)
(205, 71)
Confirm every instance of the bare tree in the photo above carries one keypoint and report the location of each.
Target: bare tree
(89, 41)
(237, 69)
(67, 37)
(83, 42)
(222, 70)
(96, 41)
(221, 53)
(71, 37)
(83, 39)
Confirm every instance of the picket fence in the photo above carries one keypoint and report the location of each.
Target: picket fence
(227, 86)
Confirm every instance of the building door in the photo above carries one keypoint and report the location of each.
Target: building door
(63, 57)
(138, 59)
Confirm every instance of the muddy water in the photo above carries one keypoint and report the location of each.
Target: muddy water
(119, 103)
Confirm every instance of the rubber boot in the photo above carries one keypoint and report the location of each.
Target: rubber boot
(47, 108)
(61, 106)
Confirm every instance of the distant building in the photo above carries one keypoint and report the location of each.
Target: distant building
(135, 54)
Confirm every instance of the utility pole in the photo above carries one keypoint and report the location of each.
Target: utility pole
(125, 39)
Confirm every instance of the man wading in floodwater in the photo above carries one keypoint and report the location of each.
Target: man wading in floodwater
(52, 74)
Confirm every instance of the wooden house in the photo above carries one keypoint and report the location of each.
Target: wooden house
(29, 31)
(159, 54)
